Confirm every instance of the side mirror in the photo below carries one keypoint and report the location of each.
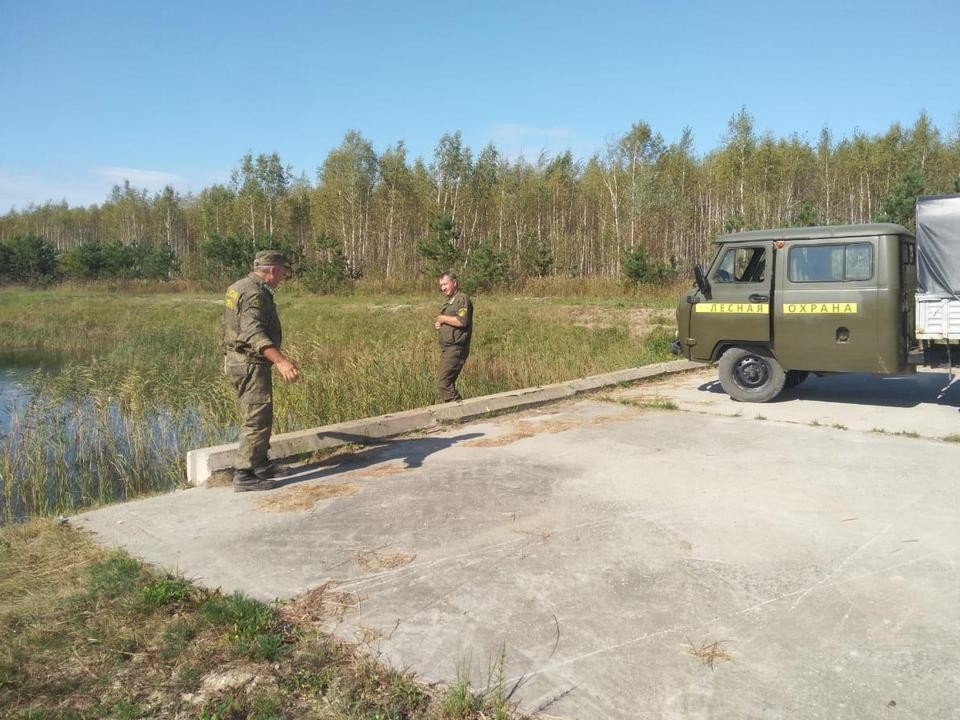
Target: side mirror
(703, 285)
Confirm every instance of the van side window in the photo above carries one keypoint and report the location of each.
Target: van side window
(830, 263)
(742, 264)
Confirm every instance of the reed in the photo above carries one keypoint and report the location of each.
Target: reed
(140, 380)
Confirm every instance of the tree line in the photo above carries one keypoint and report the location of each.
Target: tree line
(640, 208)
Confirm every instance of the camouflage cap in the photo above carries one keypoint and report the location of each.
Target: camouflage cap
(270, 257)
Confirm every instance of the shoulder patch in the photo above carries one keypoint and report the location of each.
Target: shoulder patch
(231, 300)
(462, 312)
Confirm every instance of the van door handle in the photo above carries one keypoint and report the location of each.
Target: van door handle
(759, 298)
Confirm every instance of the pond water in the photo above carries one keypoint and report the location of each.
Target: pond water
(13, 397)
(16, 367)
(60, 455)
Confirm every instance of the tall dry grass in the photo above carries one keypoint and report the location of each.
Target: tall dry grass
(140, 382)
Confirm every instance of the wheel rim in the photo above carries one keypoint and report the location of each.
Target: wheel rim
(751, 372)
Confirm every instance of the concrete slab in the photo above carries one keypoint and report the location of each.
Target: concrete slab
(629, 562)
(924, 404)
(202, 463)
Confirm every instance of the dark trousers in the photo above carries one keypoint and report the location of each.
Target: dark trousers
(452, 358)
(254, 385)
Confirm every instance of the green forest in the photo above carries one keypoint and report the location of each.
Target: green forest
(642, 208)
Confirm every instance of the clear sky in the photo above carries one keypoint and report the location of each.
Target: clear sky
(92, 92)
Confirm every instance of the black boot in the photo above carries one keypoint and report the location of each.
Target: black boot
(247, 480)
(270, 470)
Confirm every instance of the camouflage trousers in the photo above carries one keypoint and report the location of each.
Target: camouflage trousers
(452, 358)
(254, 385)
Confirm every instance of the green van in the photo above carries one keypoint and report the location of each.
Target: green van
(777, 305)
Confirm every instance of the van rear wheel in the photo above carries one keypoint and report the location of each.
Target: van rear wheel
(751, 374)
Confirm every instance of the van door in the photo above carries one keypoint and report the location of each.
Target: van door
(738, 309)
(825, 314)
(908, 293)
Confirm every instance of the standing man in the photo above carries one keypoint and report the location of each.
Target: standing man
(251, 345)
(454, 325)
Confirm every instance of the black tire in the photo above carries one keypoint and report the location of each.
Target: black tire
(751, 375)
(795, 377)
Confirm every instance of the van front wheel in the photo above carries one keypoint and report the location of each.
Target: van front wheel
(751, 375)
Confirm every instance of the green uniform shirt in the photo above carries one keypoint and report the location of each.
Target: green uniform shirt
(460, 306)
(250, 321)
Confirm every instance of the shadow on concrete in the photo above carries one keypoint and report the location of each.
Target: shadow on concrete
(712, 386)
(412, 451)
(925, 388)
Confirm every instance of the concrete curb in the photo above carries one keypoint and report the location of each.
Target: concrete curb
(203, 462)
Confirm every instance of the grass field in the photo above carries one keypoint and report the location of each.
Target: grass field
(89, 634)
(139, 381)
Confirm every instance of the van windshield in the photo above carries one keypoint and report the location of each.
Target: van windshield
(741, 265)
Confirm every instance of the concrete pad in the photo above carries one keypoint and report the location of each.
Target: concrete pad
(203, 462)
(628, 562)
(924, 404)
(473, 408)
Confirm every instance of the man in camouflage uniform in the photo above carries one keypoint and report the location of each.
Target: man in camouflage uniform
(251, 345)
(454, 325)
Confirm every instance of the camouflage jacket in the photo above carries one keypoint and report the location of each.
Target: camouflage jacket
(250, 321)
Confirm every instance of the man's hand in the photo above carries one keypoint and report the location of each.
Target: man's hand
(451, 320)
(285, 366)
(289, 371)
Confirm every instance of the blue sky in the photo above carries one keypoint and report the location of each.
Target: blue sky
(176, 92)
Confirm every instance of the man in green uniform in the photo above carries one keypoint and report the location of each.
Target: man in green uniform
(251, 345)
(454, 325)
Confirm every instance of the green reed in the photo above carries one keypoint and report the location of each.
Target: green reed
(142, 382)
(62, 455)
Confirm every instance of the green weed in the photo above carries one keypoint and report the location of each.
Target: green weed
(228, 707)
(460, 701)
(244, 616)
(115, 577)
(267, 706)
(176, 638)
(252, 626)
(405, 693)
(497, 695)
(313, 682)
(166, 591)
(187, 678)
(655, 403)
(125, 710)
